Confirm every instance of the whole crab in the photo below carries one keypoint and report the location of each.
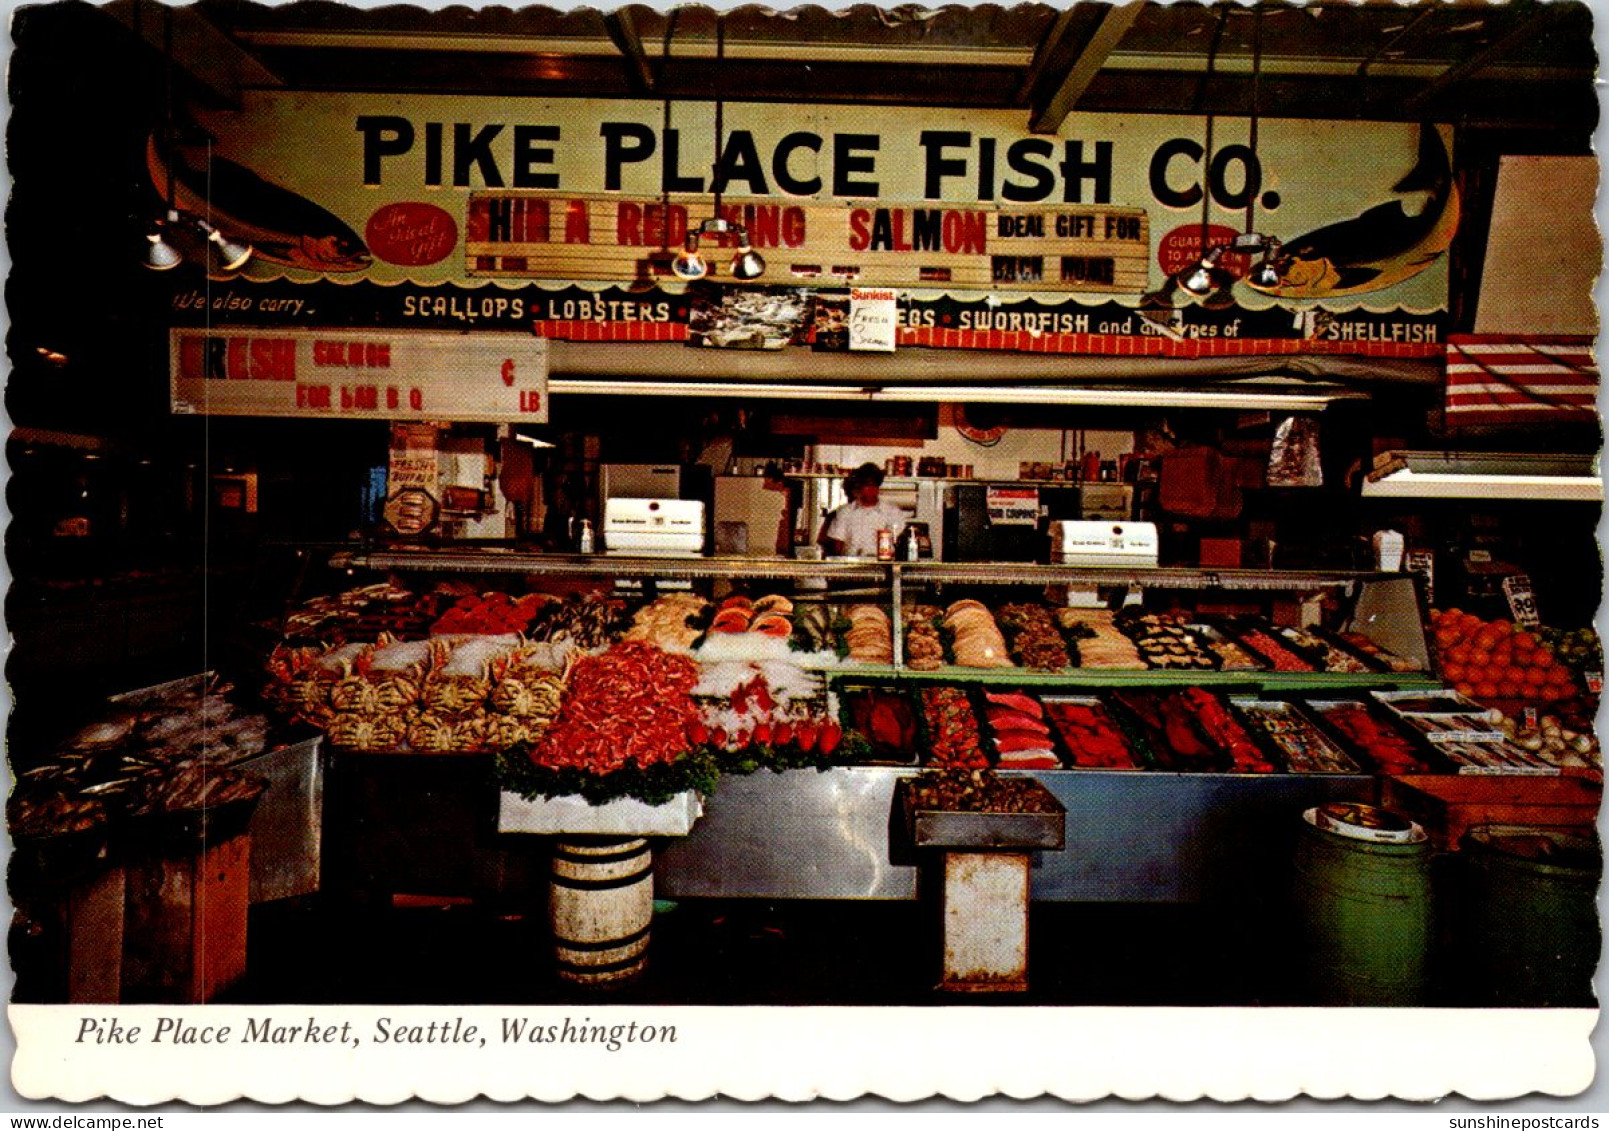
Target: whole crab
(366, 732)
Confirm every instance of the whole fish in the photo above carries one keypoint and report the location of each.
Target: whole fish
(1380, 247)
(282, 226)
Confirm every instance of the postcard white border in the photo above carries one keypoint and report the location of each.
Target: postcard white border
(963, 1053)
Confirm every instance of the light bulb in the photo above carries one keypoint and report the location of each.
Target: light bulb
(747, 263)
(689, 264)
(1267, 273)
(1202, 278)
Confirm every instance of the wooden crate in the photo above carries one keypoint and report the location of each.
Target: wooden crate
(1448, 805)
(185, 922)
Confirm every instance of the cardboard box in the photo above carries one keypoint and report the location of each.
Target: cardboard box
(1221, 553)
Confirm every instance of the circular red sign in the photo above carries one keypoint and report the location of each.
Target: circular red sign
(1181, 248)
(411, 233)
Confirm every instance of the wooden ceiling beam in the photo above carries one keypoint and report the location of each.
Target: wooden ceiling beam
(1114, 25)
(1047, 47)
(1526, 26)
(214, 61)
(622, 26)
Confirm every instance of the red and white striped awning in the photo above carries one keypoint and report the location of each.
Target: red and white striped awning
(1520, 379)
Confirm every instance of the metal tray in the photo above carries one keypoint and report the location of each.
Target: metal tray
(139, 697)
(1340, 755)
(945, 828)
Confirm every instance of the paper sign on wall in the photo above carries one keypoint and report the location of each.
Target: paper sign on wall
(359, 374)
(873, 318)
(1012, 506)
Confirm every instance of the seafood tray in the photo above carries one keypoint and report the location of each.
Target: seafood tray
(1019, 733)
(1169, 730)
(889, 719)
(1091, 735)
(1462, 733)
(1274, 648)
(985, 829)
(1164, 642)
(1472, 744)
(949, 731)
(1297, 743)
(1347, 650)
(1232, 655)
(1374, 738)
(1442, 702)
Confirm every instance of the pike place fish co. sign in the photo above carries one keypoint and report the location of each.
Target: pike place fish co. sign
(427, 190)
(359, 374)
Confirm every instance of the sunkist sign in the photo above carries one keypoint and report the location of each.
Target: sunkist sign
(431, 190)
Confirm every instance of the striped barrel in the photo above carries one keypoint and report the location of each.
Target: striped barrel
(600, 905)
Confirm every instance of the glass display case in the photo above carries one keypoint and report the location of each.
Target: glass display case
(1163, 827)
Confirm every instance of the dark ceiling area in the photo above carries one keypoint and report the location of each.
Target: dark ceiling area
(1514, 77)
(1516, 65)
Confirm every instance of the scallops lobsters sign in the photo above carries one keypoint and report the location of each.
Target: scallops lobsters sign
(434, 190)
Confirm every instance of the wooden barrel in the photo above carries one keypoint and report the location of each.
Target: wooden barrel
(1363, 916)
(600, 906)
(1530, 934)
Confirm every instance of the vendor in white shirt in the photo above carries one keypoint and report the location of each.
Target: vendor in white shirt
(851, 530)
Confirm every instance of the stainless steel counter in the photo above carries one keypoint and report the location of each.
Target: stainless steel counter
(1141, 837)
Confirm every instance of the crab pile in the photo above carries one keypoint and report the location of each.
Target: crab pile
(439, 696)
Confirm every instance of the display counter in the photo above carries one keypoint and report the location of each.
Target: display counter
(1130, 837)
(1164, 827)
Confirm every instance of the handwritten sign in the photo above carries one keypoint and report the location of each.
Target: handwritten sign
(358, 374)
(873, 319)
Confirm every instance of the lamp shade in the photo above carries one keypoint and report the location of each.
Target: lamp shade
(689, 263)
(227, 254)
(161, 255)
(1204, 277)
(747, 263)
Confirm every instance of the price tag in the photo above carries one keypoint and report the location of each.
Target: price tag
(1521, 600)
(1594, 682)
(1424, 562)
(1529, 717)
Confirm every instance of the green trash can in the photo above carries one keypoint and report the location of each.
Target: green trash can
(1530, 933)
(1363, 907)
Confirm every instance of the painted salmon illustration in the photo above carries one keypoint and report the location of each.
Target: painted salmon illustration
(1380, 247)
(282, 226)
